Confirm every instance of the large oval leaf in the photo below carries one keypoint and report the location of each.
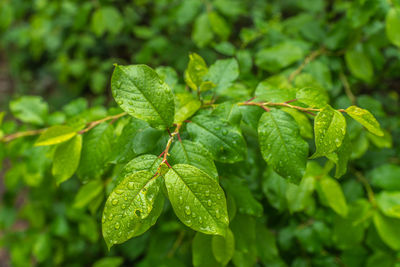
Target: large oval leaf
(132, 207)
(139, 90)
(197, 199)
(281, 144)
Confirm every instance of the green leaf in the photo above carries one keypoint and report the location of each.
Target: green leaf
(313, 97)
(202, 34)
(66, 159)
(96, 150)
(195, 154)
(245, 201)
(87, 193)
(244, 230)
(389, 203)
(223, 247)
(359, 65)
(393, 26)
(329, 130)
(274, 188)
(42, 247)
(366, 119)
(202, 251)
(299, 197)
(341, 156)
(30, 109)
(281, 144)
(266, 245)
(388, 229)
(279, 56)
(306, 130)
(223, 73)
(197, 199)
(275, 89)
(386, 177)
(145, 162)
(331, 191)
(187, 110)
(109, 262)
(130, 206)
(219, 25)
(195, 72)
(224, 141)
(55, 135)
(107, 19)
(139, 90)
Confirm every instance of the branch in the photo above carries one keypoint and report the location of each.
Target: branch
(265, 105)
(90, 125)
(347, 88)
(306, 61)
(165, 154)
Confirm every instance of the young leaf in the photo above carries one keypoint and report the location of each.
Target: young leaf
(139, 90)
(195, 72)
(202, 251)
(333, 194)
(130, 206)
(388, 229)
(393, 26)
(223, 247)
(281, 144)
(195, 154)
(224, 141)
(96, 150)
(329, 130)
(367, 120)
(55, 135)
(313, 97)
(197, 199)
(223, 73)
(187, 110)
(66, 159)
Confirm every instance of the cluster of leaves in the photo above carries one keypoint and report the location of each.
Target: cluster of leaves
(270, 156)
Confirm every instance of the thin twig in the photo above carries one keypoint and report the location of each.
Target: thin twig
(347, 88)
(368, 188)
(176, 244)
(306, 61)
(90, 125)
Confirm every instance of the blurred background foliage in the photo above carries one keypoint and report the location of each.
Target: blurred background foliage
(56, 60)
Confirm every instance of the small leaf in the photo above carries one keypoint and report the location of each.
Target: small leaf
(87, 193)
(279, 56)
(359, 65)
(195, 72)
(333, 194)
(66, 159)
(313, 97)
(341, 156)
(223, 247)
(386, 177)
(281, 144)
(139, 90)
(207, 85)
(106, 19)
(329, 130)
(195, 154)
(187, 110)
(388, 229)
(202, 34)
(129, 207)
(55, 135)
(275, 89)
(393, 26)
(219, 25)
(223, 73)
(197, 199)
(224, 141)
(30, 109)
(366, 119)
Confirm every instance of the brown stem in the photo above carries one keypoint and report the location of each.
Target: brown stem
(306, 61)
(168, 146)
(347, 88)
(90, 125)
